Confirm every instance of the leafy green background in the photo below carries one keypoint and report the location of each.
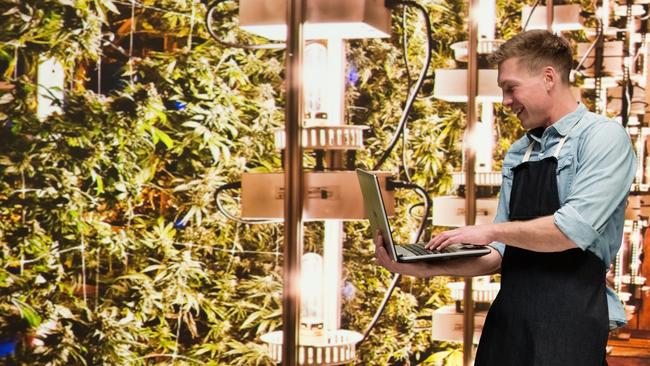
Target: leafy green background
(117, 190)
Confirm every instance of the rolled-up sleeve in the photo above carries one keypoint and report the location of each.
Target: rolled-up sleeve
(502, 210)
(602, 180)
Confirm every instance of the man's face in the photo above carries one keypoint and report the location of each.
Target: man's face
(525, 94)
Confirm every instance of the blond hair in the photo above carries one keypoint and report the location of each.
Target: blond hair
(536, 49)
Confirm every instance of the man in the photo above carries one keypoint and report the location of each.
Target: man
(559, 222)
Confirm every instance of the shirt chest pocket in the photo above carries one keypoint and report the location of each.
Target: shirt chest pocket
(565, 173)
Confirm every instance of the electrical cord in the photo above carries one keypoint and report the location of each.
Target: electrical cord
(405, 42)
(208, 25)
(418, 84)
(410, 85)
(396, 277)
(523, 29)
(599, 34)
(425, 198)
(236, 185)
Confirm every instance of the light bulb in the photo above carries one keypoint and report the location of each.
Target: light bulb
(311, 285)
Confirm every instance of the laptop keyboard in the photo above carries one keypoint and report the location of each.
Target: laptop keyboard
(418, 248)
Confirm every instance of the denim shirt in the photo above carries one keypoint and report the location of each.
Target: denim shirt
(596, 167)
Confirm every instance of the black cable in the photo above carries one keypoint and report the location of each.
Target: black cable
(410, 209)
(410, 85)
(418, 84)
(208, 25)
(405, 51)
(382, 306)
(236, 185)
(627, 88)
(426, 201)
(396, 276)
(523, 29)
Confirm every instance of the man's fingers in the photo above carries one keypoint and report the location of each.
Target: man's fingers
(437, 240)
(443, 240)
(382, 258)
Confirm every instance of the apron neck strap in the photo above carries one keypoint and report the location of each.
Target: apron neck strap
(557, 150)
(559, 146)
(528, 151)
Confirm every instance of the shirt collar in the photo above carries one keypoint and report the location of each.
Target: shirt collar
(562, 126)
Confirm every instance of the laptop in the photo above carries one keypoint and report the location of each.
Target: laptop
(376, 212)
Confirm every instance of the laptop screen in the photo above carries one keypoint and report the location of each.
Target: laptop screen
(375, 209)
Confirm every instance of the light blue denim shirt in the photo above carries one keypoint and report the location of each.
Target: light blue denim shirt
(595, 170)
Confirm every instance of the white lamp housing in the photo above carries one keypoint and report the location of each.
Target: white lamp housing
(565, 17)
(324, 19)
(451, 85)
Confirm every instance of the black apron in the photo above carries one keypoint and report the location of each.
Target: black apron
(552, 307)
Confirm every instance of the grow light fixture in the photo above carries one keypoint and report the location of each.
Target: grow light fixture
(343, 19)
(320, 344)
(565, 17)
(451, 85)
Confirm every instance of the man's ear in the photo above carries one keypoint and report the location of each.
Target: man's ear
(550, 77)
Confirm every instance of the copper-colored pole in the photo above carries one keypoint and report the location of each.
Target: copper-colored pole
(549, 15)
(293, 183)
(470, 159)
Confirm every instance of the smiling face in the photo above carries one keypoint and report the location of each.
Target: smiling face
(526, 94)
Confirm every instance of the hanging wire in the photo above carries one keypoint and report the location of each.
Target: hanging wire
(405, 41)
(599, 34)
(208, 24)
(416, 89)
(192, 19)
(228, 250)
(99, 75)
(131, 33)
(530, 15)
(235, 241)
(405, 167)
(410, 84)
(149, 7)
(40, 257)
(24, 222)
(627, 64)
(83, 267)
(224, 211)
(16, 63)
(97, 273)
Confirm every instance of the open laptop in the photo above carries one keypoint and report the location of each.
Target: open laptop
(415, 252)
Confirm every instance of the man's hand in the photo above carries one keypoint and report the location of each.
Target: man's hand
(475, 266)
(419, 269)
(476, 234)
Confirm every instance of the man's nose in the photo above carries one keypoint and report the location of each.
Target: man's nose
(507, 101)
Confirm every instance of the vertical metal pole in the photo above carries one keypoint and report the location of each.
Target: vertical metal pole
(293, 183)
(549, 15)
(470, 161)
